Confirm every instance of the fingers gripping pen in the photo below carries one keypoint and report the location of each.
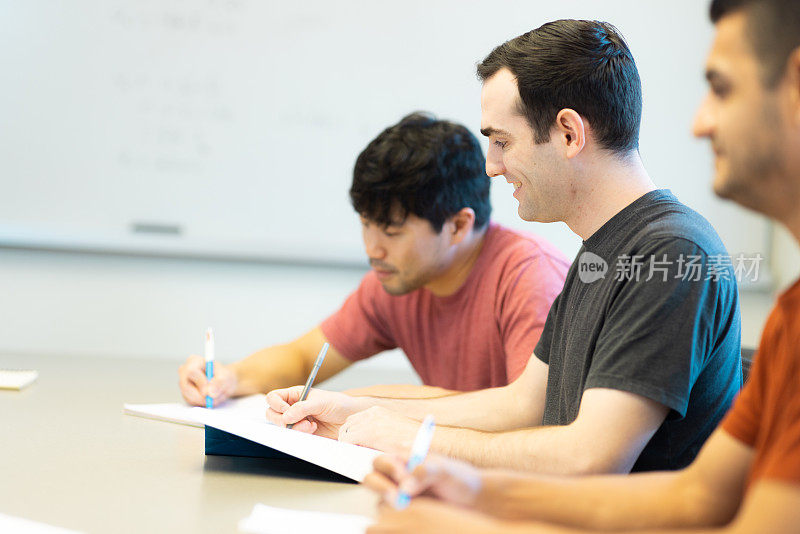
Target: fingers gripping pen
(418, 453)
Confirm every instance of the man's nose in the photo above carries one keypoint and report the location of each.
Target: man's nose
(703, 125)
(494, 162)
(373, 246)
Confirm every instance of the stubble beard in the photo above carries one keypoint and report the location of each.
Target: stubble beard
(749, 172)
(403, 287)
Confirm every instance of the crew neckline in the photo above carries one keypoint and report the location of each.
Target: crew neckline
(611, 226)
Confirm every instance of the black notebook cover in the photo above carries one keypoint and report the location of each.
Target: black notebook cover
(229, 452)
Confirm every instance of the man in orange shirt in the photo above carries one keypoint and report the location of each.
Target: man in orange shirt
(747, 476)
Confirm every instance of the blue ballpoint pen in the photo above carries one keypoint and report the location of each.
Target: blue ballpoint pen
(418, 453)
(209, 363)
(313, 375)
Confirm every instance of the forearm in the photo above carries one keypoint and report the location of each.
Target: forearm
(543, 450)
(268, 369)
(706, 496)
(492, 409)
(536, 527)
(401, 391)
(552, 450)
(666, 500)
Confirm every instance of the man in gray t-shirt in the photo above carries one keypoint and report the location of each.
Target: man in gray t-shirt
(649, 307)
(630, 374)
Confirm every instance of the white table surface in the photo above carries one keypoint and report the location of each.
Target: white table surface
(71, 458)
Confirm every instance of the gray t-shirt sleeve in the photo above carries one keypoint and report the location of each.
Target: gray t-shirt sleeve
(542, 349)
(657, 331)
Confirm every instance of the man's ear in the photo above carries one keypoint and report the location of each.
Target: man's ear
(571, 131)
(460, 225)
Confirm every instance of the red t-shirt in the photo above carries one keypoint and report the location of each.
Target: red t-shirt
(766, 416)
(479, 337)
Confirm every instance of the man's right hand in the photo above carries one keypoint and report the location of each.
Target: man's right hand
(322, 413)
(444, 478)
(194, 385)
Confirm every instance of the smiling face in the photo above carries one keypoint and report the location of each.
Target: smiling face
(405, 256)
(536, 170)
(742, 118)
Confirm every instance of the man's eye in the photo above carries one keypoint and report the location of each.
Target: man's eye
(720, 90)
(390, 234)
(501, 144)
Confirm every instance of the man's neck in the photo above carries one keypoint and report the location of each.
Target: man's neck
(782, 200)
(606, 188)
(464, 258)
(792, 223)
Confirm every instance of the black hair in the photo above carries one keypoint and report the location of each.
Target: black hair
(584, 65)
(423, 166)
(773, 28)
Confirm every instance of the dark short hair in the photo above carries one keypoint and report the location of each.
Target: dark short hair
(584, 65)
(423, 166)
(773, 28)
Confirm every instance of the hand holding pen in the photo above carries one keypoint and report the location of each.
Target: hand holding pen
(419, 450)
(446, 479)
(313, 375)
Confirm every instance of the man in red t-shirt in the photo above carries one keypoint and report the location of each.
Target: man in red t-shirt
(747, 476)
(465, 298)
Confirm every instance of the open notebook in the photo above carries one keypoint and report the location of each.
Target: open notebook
(349, 460)
(246, 418)
(174, 412)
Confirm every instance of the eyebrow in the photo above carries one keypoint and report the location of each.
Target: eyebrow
(494, 131)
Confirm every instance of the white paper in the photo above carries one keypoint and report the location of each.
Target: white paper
(18, 525)
(268, 520)
(346, 459)
(253, 406)
(16, 378)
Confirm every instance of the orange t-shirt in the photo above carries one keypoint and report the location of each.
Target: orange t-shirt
(766, 416)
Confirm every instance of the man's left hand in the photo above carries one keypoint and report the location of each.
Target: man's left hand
(380, 428)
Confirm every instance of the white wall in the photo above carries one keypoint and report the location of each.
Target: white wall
(71, 304)
(117, 306)
(237, 123)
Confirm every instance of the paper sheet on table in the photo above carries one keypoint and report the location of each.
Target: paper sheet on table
(346, 459)
(18, 525)
(17, 378)
(268, 520)
(178, 412)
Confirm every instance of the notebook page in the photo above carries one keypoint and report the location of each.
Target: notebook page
(269, 520)
(18, 525)
(253, 406)
(16, 378)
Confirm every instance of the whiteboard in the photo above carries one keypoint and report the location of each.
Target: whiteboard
(230, 127)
